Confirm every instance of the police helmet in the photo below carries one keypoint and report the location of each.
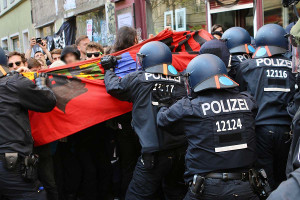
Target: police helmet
(3, 63)
(270, 40)
(238, 40)
(208, 71)
(156, 57)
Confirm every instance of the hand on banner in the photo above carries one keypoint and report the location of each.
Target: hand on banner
(108, 62)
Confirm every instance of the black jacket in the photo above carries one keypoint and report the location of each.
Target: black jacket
(18, 95)
(219, 126)
(236, 60)
(137, 88)
(271, 82)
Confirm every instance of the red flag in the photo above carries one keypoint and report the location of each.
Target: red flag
(82, 100)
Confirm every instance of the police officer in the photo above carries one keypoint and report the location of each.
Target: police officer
(18, 95)
(270, 80)
(161, 163)
(219, 124)
(290, 189)
(238, 41)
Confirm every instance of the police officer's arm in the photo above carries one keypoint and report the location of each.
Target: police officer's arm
(119, 87)
(167, 117)
(239, 76)
(31, 96)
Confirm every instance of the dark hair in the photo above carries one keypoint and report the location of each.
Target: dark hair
(37, 52)
(126, 37)
(15, 53)
(78, 40)
(33, 63)
(56, 51)
(216, 26)
(95, 45)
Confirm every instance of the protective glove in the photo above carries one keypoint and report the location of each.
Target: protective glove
(108, 62)
(41, 80)
(163, 97)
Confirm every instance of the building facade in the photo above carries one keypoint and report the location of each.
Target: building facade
(15, 24)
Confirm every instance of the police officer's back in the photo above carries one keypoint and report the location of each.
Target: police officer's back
(18, 95)
(155, 58)
(269, 79)
(238, 41)
(219, 124)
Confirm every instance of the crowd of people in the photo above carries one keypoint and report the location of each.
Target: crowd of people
(219, 130)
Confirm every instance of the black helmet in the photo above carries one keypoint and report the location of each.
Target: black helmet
(70, 49)
(218, 48)
(208, 71)
(156, 57)
(238, 40)
(3, 63)
(270, 40)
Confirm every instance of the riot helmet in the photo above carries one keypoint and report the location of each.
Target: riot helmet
(271, 39)
(208, 71)
(156, 57)
(238, 40)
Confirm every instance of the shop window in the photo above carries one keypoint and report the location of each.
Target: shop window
(186, 15)
(93, 24)
(273, 12)
(25, 41)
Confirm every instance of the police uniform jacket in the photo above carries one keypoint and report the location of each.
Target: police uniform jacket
(236, 60)
(137, 88)
(271, 82)
(18, 95)
(219, 125)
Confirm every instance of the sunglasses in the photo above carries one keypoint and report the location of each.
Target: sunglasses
(96, 54)
(16, 63)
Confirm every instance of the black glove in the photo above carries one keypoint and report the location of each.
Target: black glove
(108, 62)
(41, 80)
(163, 97)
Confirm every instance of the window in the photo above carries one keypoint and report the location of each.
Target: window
(4, 44)
(15, 44)
(4, 4)
(25, 40)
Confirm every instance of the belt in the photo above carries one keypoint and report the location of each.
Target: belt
(229, 176)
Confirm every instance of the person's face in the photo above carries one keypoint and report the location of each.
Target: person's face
(39, 55)
(92, 54)
(55, 57)
(83, 44)
(15, 62)
(35, 69)
(217, 37)
(70, 58)
(220, 29)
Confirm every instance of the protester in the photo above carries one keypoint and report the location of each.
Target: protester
(217, 31)
(56, 54)
(34, 65)
(38, 54)
(43, 63)
(125, 38)
(17, 61)
(94, 50)
(81, 44)
(70, 55)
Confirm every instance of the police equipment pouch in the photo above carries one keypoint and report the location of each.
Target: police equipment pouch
(29, 168)
(11, 160)
(148, 160)
(197, 186)
(259, 182)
